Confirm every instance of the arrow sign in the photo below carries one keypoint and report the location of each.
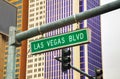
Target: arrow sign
(73, 38)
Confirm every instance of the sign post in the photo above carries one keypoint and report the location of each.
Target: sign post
(11, 54)
(61, 41)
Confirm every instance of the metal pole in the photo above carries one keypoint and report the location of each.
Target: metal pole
(82, 72)
(11, 63)
(67, 21)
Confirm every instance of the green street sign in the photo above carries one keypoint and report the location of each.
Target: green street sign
(61, 41)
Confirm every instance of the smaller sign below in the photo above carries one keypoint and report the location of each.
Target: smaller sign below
(61, 41)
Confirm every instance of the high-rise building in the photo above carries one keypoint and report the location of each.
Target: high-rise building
(86, 57)
(3, 41)
(21, 52)
(37, 16)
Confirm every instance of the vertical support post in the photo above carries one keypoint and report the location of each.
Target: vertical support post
(11, 54)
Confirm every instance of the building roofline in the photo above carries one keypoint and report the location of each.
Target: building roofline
(10, 3)
(4, 34)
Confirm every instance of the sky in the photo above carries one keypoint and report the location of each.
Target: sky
(110, 24)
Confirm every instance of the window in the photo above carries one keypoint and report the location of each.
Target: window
(29, 66)
(29, 77)
(35, 65)
(30, 55)
(41, 2)
(29, 61)
(39, 59)
(18, 50)
(31, 19)
(42, 74)
(43, 58)
(36, 18)
(31, 25)
(42, 69)
(31, 15)
(39, 75)
(17, 70)
(40, 12)
(37, 8)
(29, 71)
(37, 4)
(31, 10)
(19, 25)
(4, 72)
(35, 70)
(5, 58)
(39, 69)
(40, 17)
(37, 13)
(5, 67)
(32, 5)
(17, 65)
(17, 60)
(32, 1)
(35, 59)
(41, 7)
(16, 76)
(35, 75)
(40, 23)
(39, 64)
(42, 63)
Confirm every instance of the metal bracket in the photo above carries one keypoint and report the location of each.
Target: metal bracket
(13, 40)
(80, 71)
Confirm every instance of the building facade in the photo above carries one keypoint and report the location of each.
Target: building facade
(3, 42)
(21, 52)
(37, 16)
(86, 57)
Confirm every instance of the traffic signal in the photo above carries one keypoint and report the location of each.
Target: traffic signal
(66, 59)
(99, 73)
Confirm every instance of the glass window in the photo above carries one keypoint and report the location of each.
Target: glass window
(35, 65)
(32, 1)
(35, 75)
(16, 76)
(17, 70)
(35, 70)
(39, 69)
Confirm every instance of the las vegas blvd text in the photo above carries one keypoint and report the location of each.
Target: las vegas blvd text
(59, 41)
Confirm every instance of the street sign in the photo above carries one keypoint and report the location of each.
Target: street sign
(61, 41)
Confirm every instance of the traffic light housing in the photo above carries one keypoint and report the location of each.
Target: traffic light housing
(98, 73)
(66, 59)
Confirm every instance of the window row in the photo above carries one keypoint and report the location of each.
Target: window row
(37, 18)
(36, 4)
(35, 75)
(35, 70)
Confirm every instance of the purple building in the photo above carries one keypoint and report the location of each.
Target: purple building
(86, 57)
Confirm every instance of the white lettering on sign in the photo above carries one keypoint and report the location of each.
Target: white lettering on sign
(55, 42)
(38, 45)
(76, 37)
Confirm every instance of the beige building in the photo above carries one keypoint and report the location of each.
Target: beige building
(36, 17)
(3, 42)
